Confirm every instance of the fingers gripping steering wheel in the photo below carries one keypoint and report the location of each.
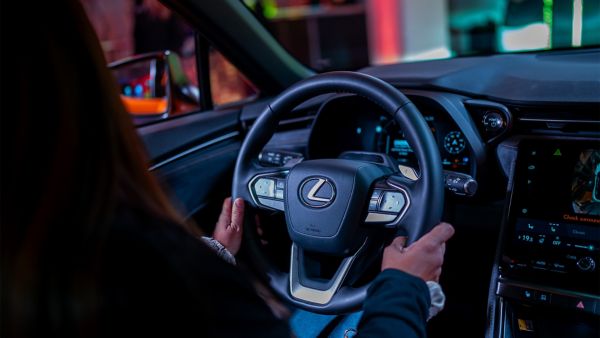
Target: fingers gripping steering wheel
(334, 206)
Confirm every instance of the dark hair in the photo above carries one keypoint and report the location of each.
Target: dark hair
(70, 154)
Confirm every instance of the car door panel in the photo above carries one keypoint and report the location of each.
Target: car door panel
(202, 179)
(169, 137)
(193, 157)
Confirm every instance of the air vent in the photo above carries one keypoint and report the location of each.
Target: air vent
(564, 119)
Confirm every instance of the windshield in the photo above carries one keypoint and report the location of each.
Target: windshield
(350, 34)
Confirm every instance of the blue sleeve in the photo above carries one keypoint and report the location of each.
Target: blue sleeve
(397, 305)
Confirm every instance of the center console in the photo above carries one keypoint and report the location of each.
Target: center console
(547, 277)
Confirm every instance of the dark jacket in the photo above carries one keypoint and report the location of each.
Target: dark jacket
(159, 280)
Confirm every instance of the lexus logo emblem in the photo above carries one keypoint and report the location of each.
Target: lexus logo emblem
(317, 192)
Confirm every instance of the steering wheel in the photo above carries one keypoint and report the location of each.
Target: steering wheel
(339, 207)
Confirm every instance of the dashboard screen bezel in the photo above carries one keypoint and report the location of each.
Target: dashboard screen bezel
(511, 253)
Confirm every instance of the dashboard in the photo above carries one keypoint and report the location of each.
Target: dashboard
(351, 123)
(547, 230)
(528, 131)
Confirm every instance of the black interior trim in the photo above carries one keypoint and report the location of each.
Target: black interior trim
(171, 137)
(203, 70)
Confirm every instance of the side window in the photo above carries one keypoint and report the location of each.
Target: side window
(152, 53)
(228, 84)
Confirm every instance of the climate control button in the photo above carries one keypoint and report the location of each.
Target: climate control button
(586, 264)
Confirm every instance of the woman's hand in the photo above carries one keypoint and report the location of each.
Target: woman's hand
(228, 230)
(423, 258)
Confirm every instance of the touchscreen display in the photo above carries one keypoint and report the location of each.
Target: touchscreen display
(555, 213)
(560, 182)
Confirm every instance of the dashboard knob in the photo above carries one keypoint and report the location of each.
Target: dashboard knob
(586, 264)
(493, 121)
(470, 187)
(459, 183)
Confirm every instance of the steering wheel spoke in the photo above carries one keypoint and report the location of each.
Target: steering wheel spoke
(388, 203)
(398, 202)
(316, 290)
(267, 189)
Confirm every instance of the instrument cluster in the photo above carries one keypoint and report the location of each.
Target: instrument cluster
(354, 124)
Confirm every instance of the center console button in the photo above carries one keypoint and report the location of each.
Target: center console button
(586, 264)
(527, 294)
(543, 297)
(558, 266)
(575, 303)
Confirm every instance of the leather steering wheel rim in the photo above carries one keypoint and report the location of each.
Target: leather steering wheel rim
(429, 192)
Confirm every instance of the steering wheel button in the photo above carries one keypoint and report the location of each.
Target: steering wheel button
(277, 205)
(374, 217)
(280, 184)
(279, 194)
(265, 187)
(373, 204)
(392, 202)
